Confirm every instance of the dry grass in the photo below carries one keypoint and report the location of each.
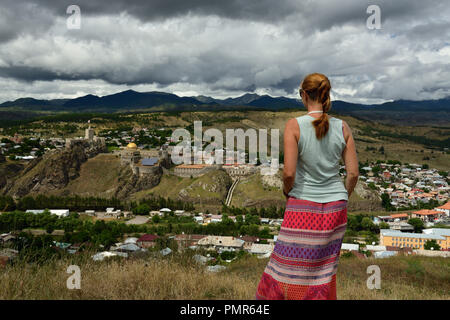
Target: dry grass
(98, 177)
(180, 278)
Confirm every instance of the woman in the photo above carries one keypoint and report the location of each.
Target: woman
(304, 261)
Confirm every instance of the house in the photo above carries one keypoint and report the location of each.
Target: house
(216, 218)
(349, 247)
(164, 210)
(261, 249)
(444, 208)
(112, 212)
(198, 219)
(427, 215)
(401, 226)
(221, 243)
(400, 216)
(147, 241)
(248, 242)
(375, 248)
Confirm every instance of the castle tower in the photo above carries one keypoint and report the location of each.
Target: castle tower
(89, 135)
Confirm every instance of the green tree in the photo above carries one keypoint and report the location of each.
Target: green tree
(142, 209)
(367, 224)
(253, 230)
(417, 224)
(384, 225)
(431, 245)
(386, 202)
(227, 255)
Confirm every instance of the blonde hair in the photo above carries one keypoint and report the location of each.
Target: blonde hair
(318, 88)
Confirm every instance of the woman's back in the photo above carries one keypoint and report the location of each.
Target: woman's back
(304, 260)
(317, 174)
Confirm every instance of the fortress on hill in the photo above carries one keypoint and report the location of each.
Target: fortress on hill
(92, 144)
(142, 162)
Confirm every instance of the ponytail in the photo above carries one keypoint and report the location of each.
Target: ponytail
(318, 87)
(321, 125)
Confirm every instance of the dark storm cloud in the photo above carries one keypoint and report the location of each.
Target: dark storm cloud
(230, 46)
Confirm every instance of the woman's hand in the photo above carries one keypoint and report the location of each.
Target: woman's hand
(286, 194)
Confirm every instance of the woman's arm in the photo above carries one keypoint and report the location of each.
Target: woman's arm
(350, 159)
(291, 138)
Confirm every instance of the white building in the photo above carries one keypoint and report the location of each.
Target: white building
(261, 249)
(220, 243)
(350, 247)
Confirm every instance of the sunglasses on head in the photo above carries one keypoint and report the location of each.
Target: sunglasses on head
(301, 92)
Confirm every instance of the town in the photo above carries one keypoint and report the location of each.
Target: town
(417, 196)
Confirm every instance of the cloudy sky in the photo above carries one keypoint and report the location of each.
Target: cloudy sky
(225, 48)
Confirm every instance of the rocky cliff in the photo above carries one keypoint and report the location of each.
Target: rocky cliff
(130, 183)
(53, 171)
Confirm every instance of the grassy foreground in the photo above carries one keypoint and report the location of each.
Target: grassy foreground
(179, 277)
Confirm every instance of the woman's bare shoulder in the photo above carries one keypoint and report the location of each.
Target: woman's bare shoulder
(292, 125)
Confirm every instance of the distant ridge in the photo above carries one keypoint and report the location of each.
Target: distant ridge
(131, 100)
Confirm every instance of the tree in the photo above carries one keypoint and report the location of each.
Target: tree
(386, 202)
(417, 224)
(253, 230)
(142, 209)
(156, 219)
(227, 255)
(431, 245)
(50, 228)
(384, 225)
(367, 224)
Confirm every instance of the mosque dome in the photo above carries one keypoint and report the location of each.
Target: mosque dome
(132, 146)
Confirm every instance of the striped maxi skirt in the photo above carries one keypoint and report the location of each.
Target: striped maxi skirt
(304, 261)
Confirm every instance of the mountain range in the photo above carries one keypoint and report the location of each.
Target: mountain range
(130, 100)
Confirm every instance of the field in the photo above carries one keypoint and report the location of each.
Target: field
(178, 277)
